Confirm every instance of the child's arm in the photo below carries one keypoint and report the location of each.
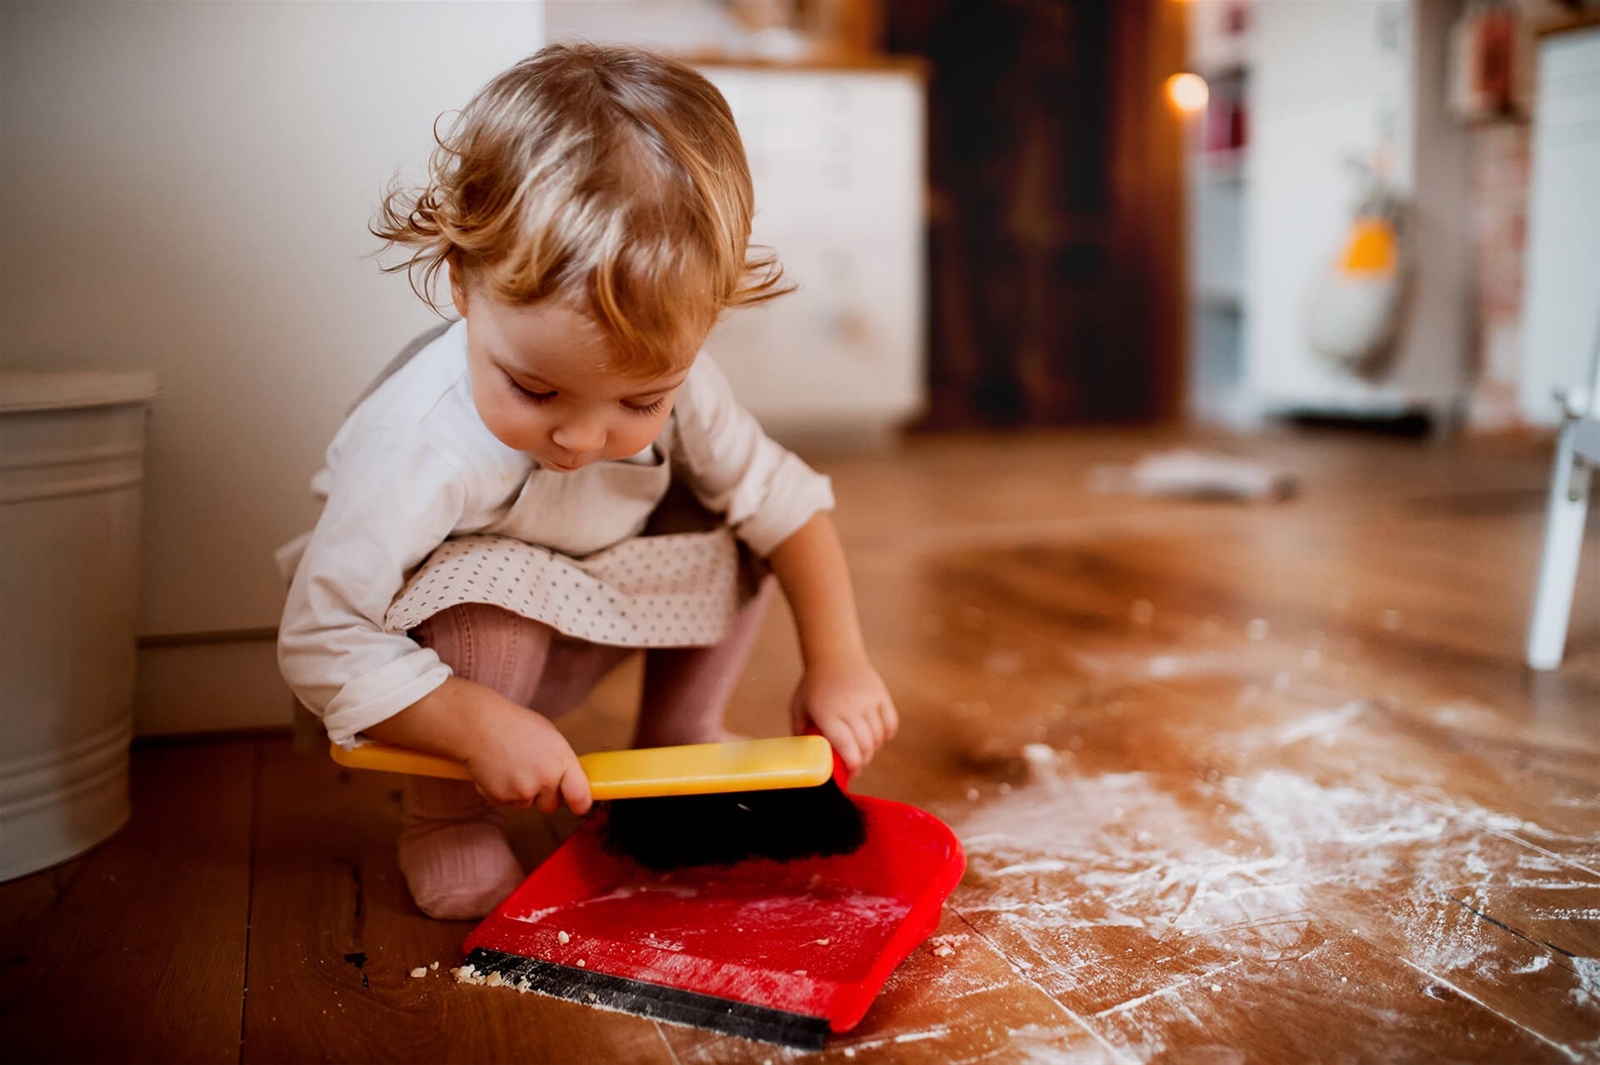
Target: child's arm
(515, 756)
(765, 492)
(840, 692)
(392, 500)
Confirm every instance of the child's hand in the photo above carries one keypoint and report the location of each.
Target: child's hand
(519, 758)
(515, 756)
(848, 702)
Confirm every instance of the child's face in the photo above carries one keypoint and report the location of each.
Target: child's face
(540, 383)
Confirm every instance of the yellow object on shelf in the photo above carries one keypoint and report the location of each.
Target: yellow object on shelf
(1372, 248)
(694, 769)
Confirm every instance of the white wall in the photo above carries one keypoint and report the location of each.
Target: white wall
(186, 188)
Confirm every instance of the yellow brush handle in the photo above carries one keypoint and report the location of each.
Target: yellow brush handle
(696, 769)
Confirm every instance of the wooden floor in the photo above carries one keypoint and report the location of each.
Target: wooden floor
(1298, 799)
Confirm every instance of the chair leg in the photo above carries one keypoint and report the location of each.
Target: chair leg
(1558, 568)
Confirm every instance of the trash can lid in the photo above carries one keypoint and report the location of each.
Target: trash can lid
(31, 390)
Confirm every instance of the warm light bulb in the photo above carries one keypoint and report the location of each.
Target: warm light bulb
(1188, 92)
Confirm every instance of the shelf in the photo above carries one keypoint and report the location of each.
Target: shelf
(1220, 167)
(1219, 71)
(1218, 299)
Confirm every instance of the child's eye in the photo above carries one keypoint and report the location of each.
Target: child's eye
(526, 393)
(646, 408)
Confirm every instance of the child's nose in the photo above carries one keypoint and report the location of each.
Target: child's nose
(580, 436)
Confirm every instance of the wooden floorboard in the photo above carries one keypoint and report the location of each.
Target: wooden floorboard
(1236, 784)
(136, 951)
(334, 939)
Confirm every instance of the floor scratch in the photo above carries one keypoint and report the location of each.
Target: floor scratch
(1116, 1054)
(1563, 859)
(671, 1054)
(1565, 1050)
(1194, 892)
(1482, 916)
(1192, 978)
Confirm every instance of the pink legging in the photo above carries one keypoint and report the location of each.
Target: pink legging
(686, 689)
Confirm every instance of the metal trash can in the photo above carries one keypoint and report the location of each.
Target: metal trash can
(71, 468)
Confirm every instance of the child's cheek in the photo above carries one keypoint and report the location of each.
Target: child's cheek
(513, 424)
(644, 432)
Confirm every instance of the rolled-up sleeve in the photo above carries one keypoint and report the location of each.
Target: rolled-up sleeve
(764, 490)
(391, 501)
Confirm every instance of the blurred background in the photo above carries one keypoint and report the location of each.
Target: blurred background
(1220, 214)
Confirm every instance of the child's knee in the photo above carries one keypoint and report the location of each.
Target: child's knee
(490, 645)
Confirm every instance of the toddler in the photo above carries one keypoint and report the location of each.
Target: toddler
(495, 537)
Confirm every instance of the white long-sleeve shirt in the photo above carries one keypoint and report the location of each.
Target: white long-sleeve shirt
(414, 465)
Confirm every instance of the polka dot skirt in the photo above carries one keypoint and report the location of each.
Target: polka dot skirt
(678, 590)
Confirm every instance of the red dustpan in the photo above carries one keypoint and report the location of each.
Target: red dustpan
(784, 952)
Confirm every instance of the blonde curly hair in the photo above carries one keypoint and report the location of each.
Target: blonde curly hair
(610, 179)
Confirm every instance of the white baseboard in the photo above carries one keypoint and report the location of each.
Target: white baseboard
(210, 687)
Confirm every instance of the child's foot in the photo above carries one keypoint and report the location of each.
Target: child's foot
(453, 852)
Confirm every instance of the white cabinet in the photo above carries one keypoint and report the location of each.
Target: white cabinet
(1561, 325)
(836, 156)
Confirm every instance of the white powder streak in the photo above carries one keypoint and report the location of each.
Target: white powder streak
(1324, 724)
(916, 1037)
(1589, 973)
(1048, 865)
(1073, 852)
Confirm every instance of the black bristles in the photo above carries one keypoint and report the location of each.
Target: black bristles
(784, 824)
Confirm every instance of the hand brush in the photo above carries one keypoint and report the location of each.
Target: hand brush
(699, 804)
(723, 827)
